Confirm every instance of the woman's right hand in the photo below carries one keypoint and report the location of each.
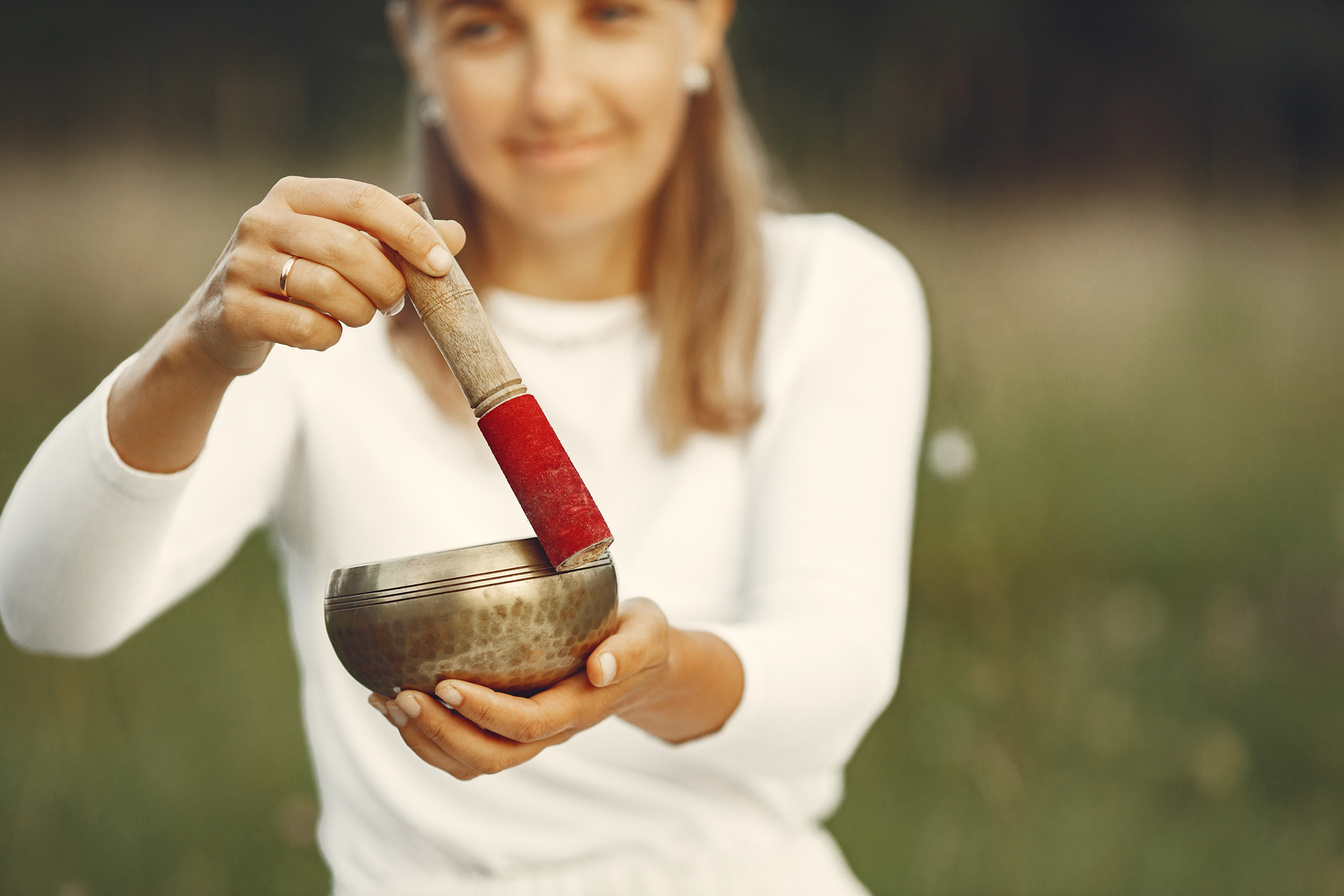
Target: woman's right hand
(162, 405)
(341, 275)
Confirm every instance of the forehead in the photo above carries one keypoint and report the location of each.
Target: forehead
(441, 7)
(445, 5)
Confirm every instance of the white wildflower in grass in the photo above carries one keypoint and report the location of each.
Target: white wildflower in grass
(951, 453)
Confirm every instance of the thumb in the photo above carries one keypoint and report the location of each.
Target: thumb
(454, 236)
(639, 642)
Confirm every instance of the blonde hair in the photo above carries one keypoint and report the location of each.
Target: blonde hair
(703, 271)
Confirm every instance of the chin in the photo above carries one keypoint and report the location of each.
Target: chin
(575, 208)
(567, 224)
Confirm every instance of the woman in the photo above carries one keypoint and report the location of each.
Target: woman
(742, 392)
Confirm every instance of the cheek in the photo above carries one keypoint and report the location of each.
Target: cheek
(477, 102)
(649, 98)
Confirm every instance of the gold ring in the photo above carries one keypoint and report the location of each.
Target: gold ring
(284, 275)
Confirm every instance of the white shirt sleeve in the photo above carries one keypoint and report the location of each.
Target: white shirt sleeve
(92, 549)
(832, 514)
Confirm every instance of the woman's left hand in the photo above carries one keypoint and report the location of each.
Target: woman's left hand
(486, 732)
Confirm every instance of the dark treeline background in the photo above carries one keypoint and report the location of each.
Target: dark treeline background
(949, 90)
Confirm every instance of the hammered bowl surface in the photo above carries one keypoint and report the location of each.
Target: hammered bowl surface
(518, 633)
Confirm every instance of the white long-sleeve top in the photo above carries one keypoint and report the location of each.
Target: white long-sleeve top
(791, 543)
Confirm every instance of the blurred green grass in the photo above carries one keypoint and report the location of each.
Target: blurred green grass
(1121, 672)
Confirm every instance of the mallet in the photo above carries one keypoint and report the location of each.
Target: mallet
(557, 503)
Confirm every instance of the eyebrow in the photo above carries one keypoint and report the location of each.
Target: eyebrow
(442, 6)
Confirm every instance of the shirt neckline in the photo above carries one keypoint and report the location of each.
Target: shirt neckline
(560, 324)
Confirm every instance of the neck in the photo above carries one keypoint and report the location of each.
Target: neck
(583, 265)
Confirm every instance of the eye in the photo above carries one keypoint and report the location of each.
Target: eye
(608, 13)
(475, 31)
(473, 24)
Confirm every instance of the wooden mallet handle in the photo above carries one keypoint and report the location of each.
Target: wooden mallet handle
(453, 315)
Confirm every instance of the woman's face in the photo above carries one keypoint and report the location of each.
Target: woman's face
(564, 115)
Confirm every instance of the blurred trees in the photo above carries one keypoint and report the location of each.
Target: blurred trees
(992, 88)
(951, 90)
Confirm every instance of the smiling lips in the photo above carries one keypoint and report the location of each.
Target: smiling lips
(561, 154)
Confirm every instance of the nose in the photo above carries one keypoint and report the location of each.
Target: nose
(555, 82)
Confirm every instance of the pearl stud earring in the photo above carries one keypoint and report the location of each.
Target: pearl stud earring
(695, 78)
(430, 112)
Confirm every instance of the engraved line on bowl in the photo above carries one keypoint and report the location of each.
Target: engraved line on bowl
(492, 571)
(430, 590)
(458, 583)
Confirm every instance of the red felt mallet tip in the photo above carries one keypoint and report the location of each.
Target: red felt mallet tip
(557, 503)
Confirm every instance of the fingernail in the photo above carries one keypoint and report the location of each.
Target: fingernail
(608, 663)
(399, 718)
(440, 259)
(395, 309)
(408, 704)
(449, 694)
(377, 703)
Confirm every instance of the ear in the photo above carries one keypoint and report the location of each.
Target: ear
(712, 20)
(402, 29)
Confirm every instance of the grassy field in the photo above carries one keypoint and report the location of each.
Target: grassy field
(1122, 673)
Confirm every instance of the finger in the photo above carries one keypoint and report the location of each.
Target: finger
(373, 210)
(519, 719)
(346, 253)
(389, 255)
(274, 228)
(456, 736)
(258, 267)
(420, 743)
(453, 233)
(423, 746)
(323, 289)
(259, 318)
(640, 642)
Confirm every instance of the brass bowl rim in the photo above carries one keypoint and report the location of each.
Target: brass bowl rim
(443, 572)
(455, 585)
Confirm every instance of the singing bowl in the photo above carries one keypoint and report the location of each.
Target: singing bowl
(496, 614)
